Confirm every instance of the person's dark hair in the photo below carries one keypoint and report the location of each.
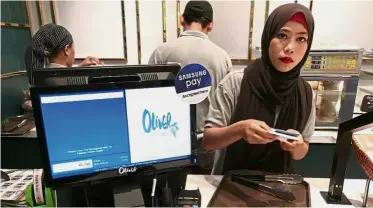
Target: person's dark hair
(198, 11)
(189, 19)
(46, 43)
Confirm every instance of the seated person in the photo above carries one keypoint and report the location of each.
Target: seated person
(268, 93)
(52, 47)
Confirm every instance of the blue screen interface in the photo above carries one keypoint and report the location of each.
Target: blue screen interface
(88, 132)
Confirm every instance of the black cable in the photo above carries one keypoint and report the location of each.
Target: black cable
(166, 180)
(167, 194)
(86, 196)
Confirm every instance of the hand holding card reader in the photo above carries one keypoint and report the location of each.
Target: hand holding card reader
(284, 135)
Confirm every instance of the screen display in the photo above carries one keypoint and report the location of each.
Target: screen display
(96, 131)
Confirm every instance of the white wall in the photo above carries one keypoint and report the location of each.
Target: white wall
(182, 8)
(171, 20)
(231, 32)
(131, 32)
(305, 3)
(46, 12)
(259, 17)
(96, 27)
(349, 22)
(34, 19)
(99, 29)
(150, 27)
(273, 4)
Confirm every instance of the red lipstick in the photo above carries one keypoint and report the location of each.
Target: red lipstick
(286, 60)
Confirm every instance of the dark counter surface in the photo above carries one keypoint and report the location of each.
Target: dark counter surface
(20, 151)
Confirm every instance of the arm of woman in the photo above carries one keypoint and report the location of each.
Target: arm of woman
(221, 137)
(298, 148)
(218, 134)
(89, 61)
(253, 131)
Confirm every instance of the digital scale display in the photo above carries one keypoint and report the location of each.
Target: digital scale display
(331, 62)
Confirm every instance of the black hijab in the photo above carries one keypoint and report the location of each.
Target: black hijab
(48, 41)
(263, 89)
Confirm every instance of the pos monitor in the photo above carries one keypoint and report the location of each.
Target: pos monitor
(100, 131)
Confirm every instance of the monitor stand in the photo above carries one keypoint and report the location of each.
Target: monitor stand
(343, 201)
(128, 195)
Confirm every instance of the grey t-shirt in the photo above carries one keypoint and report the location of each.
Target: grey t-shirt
(195, 47)
(222, 109)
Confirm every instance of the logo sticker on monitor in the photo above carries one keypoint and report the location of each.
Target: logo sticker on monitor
(124, 170)
(152, 123)
(193, 83)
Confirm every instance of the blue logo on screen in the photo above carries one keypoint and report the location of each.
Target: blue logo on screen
(152, 122)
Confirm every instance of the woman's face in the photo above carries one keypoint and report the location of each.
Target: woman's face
(70, 52)
(288, 47)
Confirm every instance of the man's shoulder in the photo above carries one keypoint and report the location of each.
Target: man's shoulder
(185, 42)
(232, 80)
(161, 47)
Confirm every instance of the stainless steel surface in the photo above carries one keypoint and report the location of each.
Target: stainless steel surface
(282, 178)
(285, 178)
(336, 74)
(367, 70)
(280, 192)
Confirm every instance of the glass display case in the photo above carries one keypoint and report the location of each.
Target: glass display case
(333, 74)
(335, 99)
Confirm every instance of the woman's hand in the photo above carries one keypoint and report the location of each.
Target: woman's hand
(297, 148)
(253, 131)
(257, 132)
(292, 145)
(89, 61)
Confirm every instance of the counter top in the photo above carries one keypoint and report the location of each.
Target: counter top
(367, 70)
(353, 189)
(330, 137)
(324, 137)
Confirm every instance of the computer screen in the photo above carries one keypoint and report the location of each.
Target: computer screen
(100, 130)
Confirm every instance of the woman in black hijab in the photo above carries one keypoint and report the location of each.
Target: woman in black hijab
(268, 93)
(52, 46)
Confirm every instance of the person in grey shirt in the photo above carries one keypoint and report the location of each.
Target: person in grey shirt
(194, 46)
(267, 94)
(52, 47)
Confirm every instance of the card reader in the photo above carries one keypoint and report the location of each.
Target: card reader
(284, 135)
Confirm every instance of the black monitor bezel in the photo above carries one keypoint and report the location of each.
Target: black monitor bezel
(164, 166)
(40, 75)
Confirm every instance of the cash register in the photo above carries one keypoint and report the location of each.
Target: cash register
(115, 132)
